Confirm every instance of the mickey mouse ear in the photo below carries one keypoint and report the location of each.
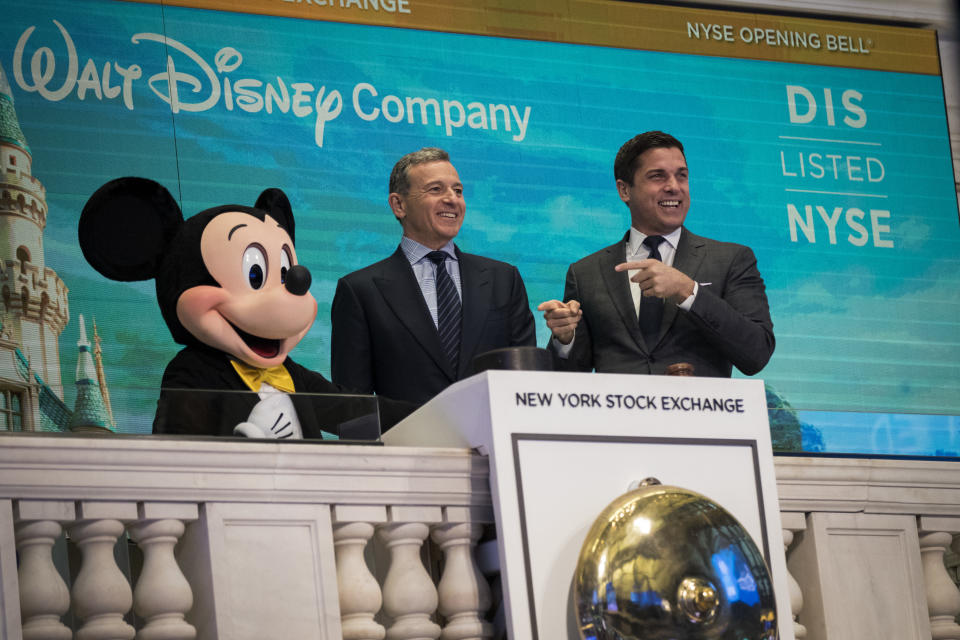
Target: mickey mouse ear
(275, 202)
(126, 227)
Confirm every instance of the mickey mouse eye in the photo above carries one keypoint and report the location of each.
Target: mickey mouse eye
(255, 266)
(284, 264)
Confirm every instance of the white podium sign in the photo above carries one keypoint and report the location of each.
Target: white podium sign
(562, 446)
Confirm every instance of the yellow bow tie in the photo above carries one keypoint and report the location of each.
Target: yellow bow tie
(277, 377)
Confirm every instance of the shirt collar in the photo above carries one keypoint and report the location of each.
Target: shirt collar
(636, 238)
(415, 252)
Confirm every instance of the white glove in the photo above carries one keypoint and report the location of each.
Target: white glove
(274, 418)
(250, 430)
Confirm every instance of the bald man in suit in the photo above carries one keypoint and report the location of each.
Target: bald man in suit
(662, 295)
(393, 321)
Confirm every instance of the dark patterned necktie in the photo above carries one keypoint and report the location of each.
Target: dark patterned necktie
(448, 309)
(651, 308)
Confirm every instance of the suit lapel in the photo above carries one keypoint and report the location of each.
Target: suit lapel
(477, 293)
(687, 260)
(618, 286)
(401, 291)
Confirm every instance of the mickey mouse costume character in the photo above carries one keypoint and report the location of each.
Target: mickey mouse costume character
(231, 291)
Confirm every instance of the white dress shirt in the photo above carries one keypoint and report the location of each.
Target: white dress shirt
(425, 270)
(637, 251)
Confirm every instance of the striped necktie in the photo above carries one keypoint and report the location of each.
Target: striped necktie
(651, 308)
(448, 309)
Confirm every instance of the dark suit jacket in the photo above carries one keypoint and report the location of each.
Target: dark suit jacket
(728, 325)
(201, 394)
(384, 340)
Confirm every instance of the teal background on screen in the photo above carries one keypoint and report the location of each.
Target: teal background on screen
(861, 330)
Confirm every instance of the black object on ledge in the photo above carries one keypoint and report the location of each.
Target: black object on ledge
(514, 359)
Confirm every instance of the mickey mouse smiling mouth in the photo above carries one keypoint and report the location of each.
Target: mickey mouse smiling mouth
(263, 347)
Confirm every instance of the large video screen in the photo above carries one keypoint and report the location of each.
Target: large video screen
(839, 178)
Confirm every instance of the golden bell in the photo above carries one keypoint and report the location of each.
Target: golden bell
(665, 563)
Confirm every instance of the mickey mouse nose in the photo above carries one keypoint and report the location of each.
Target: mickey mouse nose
(298, 280)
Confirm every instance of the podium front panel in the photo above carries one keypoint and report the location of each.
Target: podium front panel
(562, 446)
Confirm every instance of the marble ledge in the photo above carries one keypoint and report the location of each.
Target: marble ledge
(162, 468)
(869, 485)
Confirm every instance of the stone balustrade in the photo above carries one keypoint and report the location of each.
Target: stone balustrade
(865, 542)
(243, 539)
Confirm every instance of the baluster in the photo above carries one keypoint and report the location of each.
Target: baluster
(44, 597)
(792, 522)
(464, 594)
(162, 596)
(943, 599)
(101, 594)
(360, 597)
(796, 595)
(953, 565)
(409, 597)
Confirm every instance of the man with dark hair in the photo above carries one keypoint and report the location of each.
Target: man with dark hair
(662, 295)
(408, 326)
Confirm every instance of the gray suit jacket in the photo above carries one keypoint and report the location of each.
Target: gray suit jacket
(728, 325)
(384, 340)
